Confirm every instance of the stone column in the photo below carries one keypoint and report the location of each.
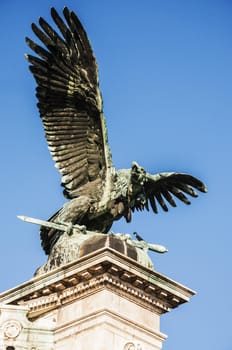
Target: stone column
(104, 300)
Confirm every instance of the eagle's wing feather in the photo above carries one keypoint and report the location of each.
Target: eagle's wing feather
(161, 188)
(70, 102)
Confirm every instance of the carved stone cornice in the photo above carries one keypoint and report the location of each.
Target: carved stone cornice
(105, 268)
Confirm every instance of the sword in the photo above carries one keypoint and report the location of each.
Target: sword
(58, 226)
(67, 227)
(150, 246)
(140, 243)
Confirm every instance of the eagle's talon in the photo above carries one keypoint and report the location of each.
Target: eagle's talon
(69, 229)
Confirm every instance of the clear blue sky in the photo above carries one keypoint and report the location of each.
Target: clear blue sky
(166, 78)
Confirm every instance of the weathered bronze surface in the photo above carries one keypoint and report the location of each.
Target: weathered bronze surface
(70, 105)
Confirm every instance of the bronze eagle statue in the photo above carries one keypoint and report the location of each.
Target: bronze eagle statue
(70, 105)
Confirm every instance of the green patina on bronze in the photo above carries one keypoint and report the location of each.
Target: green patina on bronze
(71, 109)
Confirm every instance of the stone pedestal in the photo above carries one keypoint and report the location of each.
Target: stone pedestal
(104, 300)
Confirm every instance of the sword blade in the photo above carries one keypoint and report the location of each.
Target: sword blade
(153, 247)
(157, 248)
(61, 227)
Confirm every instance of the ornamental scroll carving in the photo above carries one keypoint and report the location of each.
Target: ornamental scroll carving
(11, 329)
(132, 346)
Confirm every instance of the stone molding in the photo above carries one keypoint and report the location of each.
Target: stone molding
(111, 321)
(47, 303)
(105, 268)
(104, 294)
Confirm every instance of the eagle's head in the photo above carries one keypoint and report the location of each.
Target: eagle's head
(136, 193)
(138, 175)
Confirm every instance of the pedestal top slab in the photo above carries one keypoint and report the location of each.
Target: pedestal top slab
(105, 267)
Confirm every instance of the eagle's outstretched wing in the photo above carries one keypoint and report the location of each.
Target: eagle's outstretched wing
(70, 103)
(159, 188)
